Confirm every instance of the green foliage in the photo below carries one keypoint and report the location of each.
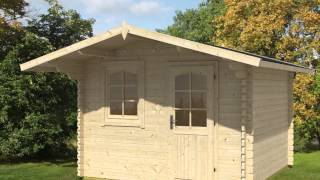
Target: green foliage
(10, 29)
(307, 106)
(302, 137)
(316, 120)
(61, 27)
(33, 107)
(9, 36)
(13, 8)
(196, 24)
(284, 29)
(38, 110)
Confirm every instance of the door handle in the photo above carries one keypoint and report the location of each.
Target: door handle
(172, 122)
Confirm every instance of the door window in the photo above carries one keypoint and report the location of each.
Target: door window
(191, 100)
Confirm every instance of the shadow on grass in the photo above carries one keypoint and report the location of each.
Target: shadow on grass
(63, 156)
(68, 162)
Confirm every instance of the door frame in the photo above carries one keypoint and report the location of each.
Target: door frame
(212, 126)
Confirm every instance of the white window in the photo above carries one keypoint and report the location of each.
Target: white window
(124, 94)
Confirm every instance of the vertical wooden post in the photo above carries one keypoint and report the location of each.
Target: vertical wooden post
(246, 135)
(80, 127)
(243, 76)
(249, 128)
(290, 119)
(244, 113)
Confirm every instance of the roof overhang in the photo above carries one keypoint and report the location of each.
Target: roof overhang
(126, 29)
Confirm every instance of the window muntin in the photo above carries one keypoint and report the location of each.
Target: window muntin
(190, 100)
(123, 93)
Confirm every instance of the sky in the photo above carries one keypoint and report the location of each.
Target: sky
(149, 14)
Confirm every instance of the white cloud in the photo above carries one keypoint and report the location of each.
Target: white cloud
(147, 7)
(107, 6)
(120, 7)
(110, 13)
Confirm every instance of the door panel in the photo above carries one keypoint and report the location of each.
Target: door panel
(191, 156)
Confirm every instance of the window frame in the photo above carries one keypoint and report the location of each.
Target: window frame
(136, 67)
(206, 68)
(123, 100)
(189, 92)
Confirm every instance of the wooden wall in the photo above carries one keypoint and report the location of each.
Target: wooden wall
(144, 153)
(271, 115)
(256, 151)
(125, 152)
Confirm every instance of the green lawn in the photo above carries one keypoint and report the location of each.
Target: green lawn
(307, 167)
(39, 171)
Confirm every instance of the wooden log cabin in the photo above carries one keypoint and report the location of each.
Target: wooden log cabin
(153, 106)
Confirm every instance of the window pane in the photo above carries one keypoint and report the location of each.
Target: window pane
(198, 100)
(199, 118)
(130, 108)
(182, 100)
(131, 79)
(199, 82)
(116, 78)
(130, 93)
(182, 118)
(182, 82)
(116, 108)
(116, 93)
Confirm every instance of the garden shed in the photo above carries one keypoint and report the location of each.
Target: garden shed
(153, 106)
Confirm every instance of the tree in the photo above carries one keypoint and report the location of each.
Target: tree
(285, 29)
(306, 113)
(10, 29)
(288, 30)
(38, 110)
(24, 127)
(307, 106)
(196, 24)
(61, 27)
(13, 9)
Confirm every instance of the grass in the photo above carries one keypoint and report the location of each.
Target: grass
(39, 171)
(307, 167)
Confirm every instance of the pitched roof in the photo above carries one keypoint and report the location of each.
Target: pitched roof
(125, 29)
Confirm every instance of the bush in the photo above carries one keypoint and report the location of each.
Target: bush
(303, 137)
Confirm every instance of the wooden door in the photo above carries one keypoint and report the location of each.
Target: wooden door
(191, 121)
